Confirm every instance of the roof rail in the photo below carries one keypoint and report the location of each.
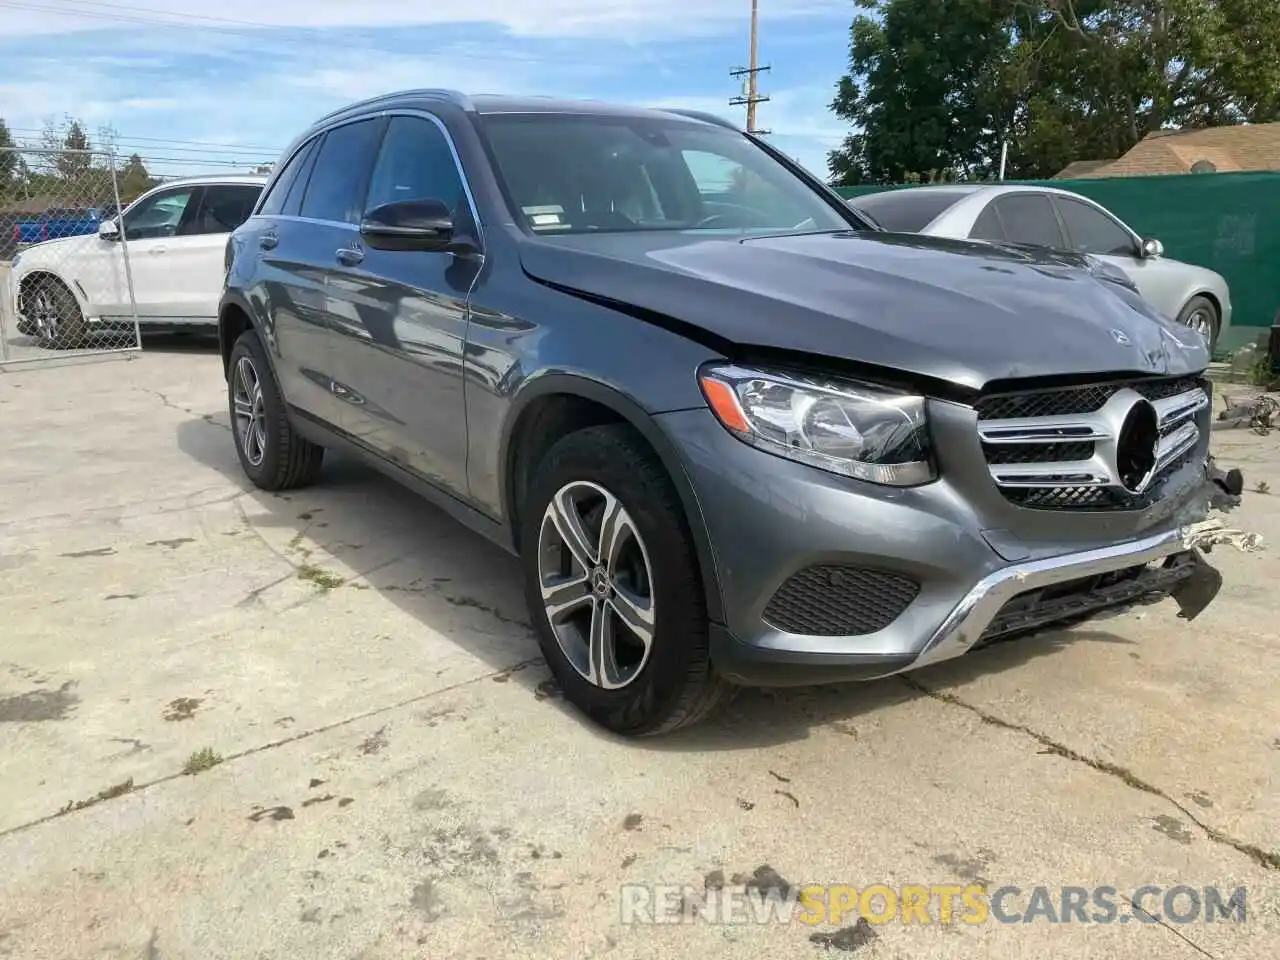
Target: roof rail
(452, 96)
(703, 116)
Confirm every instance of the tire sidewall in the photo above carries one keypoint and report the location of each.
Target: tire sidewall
(71, 325)
(680, 622)
(249, 345)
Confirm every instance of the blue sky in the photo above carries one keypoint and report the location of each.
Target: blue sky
(245, 76)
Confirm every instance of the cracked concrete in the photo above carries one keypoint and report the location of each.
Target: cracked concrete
(399, 778)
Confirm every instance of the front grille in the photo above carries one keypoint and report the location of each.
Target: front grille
(1085, 399)
(1083, 447)
(835, 600)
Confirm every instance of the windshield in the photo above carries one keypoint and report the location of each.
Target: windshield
(584, 174)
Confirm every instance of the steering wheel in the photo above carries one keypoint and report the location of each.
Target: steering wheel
(741, 208)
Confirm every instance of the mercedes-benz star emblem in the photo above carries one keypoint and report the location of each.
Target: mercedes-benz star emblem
(1120, 337)
(1138, 446)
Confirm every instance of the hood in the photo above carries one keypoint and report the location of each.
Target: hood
(959, 311)
(50, 252)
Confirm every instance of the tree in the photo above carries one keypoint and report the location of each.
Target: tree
(68, 149)
(8, 161)
(134, 180)
(935, 86)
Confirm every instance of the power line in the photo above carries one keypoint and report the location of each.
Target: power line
(169, 144)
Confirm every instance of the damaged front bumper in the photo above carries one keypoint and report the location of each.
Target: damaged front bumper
(1061, 590)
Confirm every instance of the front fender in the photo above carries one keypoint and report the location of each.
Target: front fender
(630, 411)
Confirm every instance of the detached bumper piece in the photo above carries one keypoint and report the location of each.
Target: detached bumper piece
(1062, 604)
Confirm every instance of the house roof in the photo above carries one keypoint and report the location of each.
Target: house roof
(1230, 149)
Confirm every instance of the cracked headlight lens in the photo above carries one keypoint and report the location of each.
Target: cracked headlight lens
(857, 430)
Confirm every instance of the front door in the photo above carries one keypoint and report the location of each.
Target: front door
(400, 317)
(150, 228)
(1089, 230)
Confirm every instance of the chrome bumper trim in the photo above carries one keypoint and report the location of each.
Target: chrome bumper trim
(972, 615)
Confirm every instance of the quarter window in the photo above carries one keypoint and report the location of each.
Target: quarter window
(988, 225)
(275, 201)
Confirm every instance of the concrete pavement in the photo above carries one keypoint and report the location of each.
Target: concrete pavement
(396, 777)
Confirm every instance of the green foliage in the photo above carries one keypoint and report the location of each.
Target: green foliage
(935, 86)
(9, 168)
(134, 180)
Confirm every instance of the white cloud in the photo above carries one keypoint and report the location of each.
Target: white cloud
(619, 19)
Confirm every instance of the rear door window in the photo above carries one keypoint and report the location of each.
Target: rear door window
(223, 207)
(336, 188)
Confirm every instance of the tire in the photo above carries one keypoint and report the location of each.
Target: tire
(272, 454)
(57, 321)
(1200, 314)
(633, 693)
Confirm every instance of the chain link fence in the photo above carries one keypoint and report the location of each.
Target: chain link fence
(66, 284)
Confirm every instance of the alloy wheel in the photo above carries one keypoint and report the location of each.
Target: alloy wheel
(597, 584)
(44, 311)
(249, 413)
(1201, 323)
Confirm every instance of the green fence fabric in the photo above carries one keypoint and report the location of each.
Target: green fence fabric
(1228, 222)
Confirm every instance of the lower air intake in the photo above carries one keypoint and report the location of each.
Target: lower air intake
(834, 600)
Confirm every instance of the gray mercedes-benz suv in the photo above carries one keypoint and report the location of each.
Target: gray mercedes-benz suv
(735, 434)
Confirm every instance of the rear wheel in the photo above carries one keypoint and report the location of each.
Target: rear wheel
(54, 315)
(612, 582)
(273, 455)
(1201, 316)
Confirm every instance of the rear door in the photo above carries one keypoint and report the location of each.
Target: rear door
(190, 279)
(400, 317)
(320, 217)
(289, 282)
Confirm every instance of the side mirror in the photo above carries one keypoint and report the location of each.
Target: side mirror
(1152, 248)
(425, 225)
(109, 230)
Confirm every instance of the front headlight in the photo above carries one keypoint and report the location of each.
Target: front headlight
(848, 428)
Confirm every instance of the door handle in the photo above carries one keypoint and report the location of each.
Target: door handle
(268, 241)
(157, 250)
(349, 256)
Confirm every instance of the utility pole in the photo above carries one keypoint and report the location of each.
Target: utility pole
(752, 95)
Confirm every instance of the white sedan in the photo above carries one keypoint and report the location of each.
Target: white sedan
(174, 240)
(1049, 217)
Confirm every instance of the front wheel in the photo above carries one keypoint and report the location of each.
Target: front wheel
(612, 582)
(55, 315)
(1201, 316)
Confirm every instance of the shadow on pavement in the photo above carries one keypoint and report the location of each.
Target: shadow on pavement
(441, 564)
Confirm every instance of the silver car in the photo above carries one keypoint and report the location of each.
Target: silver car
(1059, 219)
